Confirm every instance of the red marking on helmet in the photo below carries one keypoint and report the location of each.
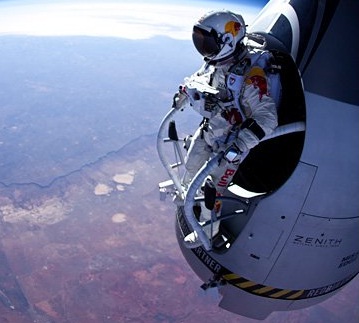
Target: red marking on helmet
(237, 26)
(232, 27)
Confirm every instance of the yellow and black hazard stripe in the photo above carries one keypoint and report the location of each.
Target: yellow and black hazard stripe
(223, 274)
(262, 290)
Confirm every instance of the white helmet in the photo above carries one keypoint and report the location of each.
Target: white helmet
(217, 34)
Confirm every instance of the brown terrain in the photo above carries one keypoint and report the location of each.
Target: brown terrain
(98, 246)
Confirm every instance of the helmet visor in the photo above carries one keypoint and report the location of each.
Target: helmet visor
(206, 41)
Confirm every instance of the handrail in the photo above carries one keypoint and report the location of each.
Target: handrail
(160, 142)
(196, 183)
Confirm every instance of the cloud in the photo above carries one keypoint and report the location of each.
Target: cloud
(125, 19)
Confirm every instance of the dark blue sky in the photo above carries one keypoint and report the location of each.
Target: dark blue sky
(256, 3)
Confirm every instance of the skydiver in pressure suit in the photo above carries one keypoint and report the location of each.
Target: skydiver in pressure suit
(232, 90)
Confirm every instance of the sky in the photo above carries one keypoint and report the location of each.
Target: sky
(125, 19)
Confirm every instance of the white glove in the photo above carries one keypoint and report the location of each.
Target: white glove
(180, 99)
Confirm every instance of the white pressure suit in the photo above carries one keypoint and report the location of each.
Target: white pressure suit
(239, 111)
